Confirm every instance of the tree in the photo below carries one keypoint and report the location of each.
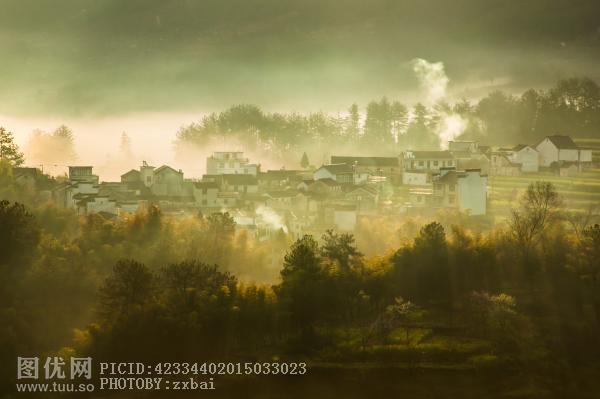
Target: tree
(304, 162)
(420, 134)
(590, 263)
(189, 283)
(496, 317)
(340, 248)
(19, 233)
(125, 147)
(9, 150)
(378, 122)
(129, 289)
(353, 123)
(399, 116)
(539, 208)
(65, 142)
(301, 290)
(400, 313)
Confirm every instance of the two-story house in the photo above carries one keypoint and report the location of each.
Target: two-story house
(230, 162)
(465, 190)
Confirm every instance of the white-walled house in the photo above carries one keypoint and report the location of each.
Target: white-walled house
(427, 160)
(230, 162)
(526, 156)
(502, 165)
(561, 148)
(465, 190)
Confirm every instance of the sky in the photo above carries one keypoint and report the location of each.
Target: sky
(150, 66)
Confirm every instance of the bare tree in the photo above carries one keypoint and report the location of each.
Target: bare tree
(539, 208)
(580, 221)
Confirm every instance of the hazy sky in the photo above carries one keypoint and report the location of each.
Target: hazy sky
(76, 60)
(106, 57)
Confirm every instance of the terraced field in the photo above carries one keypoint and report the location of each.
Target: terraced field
(578, 192)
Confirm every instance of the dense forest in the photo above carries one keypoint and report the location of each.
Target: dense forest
(522, 299)
(571, 107)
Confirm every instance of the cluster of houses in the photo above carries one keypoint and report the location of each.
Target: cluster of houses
(335, 195)
(557, 153)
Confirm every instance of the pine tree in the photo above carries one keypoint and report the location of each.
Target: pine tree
(125, 146)
(9, 150)
(304, 161)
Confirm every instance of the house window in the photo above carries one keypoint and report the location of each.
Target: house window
(421, 163)
(449, 163)
(451, 199)
(451, 188)
(148, 179)
(435, 163)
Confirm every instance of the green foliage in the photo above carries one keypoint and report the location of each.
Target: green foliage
(128, 290)
(9, 151)
(341, 249)
(19, 234)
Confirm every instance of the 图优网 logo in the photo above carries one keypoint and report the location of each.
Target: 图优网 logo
(54, 367)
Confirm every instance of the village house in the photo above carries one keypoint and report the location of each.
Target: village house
(416, 177)
(341, 173)
(169, 183)
(465, 190)
(420, 197)
(430, 161)
(562, 148)
(325, 187)
(206, 194)
(287, 200)
(526, 156)
(469, 155)
(240, 183)
(364, 167)
(230, 162)
(502, 165)
(567, 169)
(82, 184)
(364, 197)
(272, 179)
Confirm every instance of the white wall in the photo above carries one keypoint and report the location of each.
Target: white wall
(528, 158)
(414, 179)
(585, 155)
(472, 193)
(548, 152)
(568, 155)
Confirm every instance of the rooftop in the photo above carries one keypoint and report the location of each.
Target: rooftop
(338, 168)
(428, 155)
(365, 161)
(563, 142)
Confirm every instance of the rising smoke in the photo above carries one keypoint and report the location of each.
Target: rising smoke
(434, 82)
